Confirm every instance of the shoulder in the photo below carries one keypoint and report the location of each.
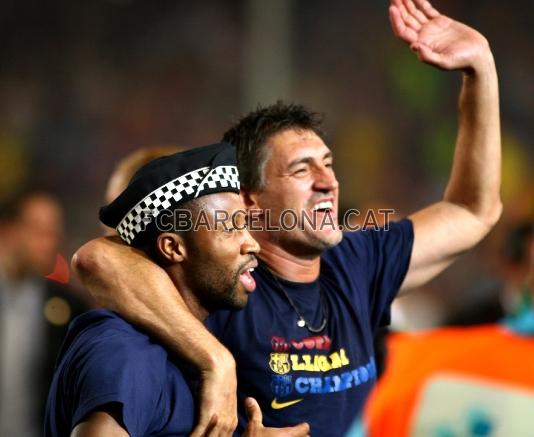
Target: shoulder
(107, 360)
(103, 327)
(102, 345)
(367, 244)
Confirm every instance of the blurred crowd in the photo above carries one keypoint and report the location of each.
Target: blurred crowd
(84, 84)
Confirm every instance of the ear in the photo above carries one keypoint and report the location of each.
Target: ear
(171, 247)
(250, 199)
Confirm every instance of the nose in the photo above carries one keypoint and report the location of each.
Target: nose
(249, 246)
(325, 179)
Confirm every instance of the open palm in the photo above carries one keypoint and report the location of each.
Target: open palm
(438, 40)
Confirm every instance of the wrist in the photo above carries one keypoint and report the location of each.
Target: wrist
(482, 65)
(217, 358)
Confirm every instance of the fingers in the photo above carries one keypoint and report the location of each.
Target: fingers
(408, 18)
(400, 29)
(426, 8)
(205, 426)
(253, 410)
(254, 425)
(415, 12)
(300, 430)
(427, 55)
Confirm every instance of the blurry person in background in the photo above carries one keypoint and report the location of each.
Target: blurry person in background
(517, 266)
(34, 311)
(464, 381)
(126, 168)
(511, 292)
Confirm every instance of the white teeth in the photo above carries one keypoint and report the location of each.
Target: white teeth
(251, 269)
(323, 205)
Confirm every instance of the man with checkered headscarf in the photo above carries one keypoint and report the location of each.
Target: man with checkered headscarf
(114, 379)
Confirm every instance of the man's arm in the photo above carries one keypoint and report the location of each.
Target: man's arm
(471, 204)
(100, 424)
(125, 280)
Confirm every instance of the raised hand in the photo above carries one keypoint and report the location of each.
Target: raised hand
(436, 39)
(255, 427)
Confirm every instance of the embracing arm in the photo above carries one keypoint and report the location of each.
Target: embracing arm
(100, 424)
(125, 280)
(471, 204)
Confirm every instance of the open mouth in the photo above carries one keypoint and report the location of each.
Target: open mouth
(325, 206)
(247, 280)
(324, 217)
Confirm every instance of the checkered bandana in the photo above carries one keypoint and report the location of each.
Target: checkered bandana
(165, 183)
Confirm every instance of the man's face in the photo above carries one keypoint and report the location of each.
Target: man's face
(220, 259)
(299, 177)
(39, 233)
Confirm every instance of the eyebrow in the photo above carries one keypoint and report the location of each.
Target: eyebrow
(308, 159)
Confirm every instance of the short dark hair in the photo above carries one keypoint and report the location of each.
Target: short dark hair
(252, 131)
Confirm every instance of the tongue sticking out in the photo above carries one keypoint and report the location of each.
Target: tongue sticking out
(248, 281)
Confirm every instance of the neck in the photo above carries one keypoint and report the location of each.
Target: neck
(188, 296)
(287, 265)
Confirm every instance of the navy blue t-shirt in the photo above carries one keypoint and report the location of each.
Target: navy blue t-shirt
(106, 360)
(322, 378)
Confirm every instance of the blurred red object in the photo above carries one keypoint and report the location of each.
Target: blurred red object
(61, 272)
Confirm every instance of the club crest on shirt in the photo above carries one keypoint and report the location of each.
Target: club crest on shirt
(279, 363)
(282, 385)
(303, 372)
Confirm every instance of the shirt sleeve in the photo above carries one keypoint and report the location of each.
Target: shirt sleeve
(118, 368)
(383, 257)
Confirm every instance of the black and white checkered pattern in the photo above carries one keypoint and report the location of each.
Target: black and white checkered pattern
(222, 176)
(188, 186)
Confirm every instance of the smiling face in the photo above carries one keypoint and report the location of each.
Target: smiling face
(299, 177)
(220, 255)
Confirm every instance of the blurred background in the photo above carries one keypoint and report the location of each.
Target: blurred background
(84, 83)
